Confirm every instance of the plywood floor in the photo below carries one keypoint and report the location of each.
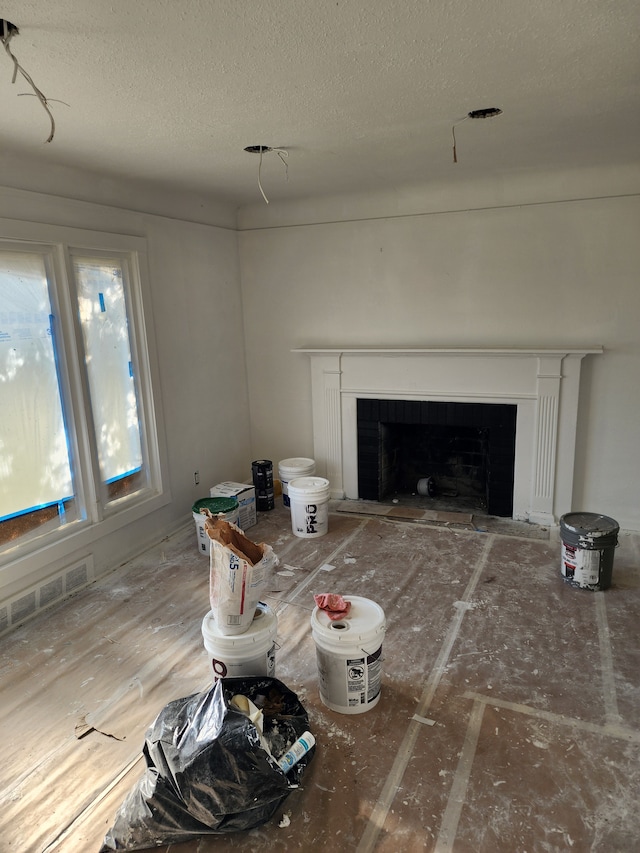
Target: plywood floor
(509, 718)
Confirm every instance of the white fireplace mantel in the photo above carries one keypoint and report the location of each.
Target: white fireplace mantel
(543, 383)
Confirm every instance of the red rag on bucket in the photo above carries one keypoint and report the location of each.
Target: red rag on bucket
(333, 605)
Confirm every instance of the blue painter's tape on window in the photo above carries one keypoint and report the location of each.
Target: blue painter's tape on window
(131, 370)
(37, 507)
(122, 476)
(101, 298)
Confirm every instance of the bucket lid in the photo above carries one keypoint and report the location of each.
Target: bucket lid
(263, 625)
(215, 505)
(589, 522)
(296, 463)
(364, 623)
(308, 484)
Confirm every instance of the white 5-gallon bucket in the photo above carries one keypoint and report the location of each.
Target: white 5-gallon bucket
(349, 656)
(309, 497)
(251, 653)
(289, 469)
(226, 508)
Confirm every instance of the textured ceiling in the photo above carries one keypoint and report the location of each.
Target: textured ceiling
(362, 95)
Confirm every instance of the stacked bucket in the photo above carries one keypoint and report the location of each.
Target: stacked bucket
(250, 653)
(306, 495)
(348, 650)
(246, 644)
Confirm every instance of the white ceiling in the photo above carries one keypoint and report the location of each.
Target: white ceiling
(363, 95)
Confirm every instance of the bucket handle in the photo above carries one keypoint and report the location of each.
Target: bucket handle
(366, 654)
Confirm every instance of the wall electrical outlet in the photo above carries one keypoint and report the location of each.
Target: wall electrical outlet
(196, 478)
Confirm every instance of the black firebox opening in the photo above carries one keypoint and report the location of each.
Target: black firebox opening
(467, 449)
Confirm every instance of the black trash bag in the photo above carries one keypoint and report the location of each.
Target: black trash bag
(207, 773)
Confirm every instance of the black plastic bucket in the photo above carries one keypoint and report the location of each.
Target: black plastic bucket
(262, 471)
(588, 545)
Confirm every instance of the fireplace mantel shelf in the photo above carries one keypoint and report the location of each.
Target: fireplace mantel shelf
(543, 382)
(510, 351)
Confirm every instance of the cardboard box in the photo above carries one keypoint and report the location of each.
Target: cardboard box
(246, 496)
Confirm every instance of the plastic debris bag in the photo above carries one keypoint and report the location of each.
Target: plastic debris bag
(210, 769)
(238, 572)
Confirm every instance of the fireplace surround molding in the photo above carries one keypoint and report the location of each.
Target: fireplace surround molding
(543, 383)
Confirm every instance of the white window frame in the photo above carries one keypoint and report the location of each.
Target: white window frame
(100, 518)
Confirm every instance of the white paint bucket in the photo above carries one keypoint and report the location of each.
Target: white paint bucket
(309, 497)
(349, 656)
(225, 508)
(289, 469)
(251, 653)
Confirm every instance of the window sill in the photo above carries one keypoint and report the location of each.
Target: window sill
(31, 558)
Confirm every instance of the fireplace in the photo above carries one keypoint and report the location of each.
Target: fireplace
(541, 385)
(465, 450)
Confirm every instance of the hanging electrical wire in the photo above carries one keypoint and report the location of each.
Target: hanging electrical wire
(266, 149)
(453, 133)
(487, 112)
(10, 30)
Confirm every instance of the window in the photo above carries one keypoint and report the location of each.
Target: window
(77, 433)
(101, 285)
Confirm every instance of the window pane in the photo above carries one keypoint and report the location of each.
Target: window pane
(35, 466)
(102, 307)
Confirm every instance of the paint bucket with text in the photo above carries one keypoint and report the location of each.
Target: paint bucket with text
(251, 653)
(588, 544)
(349, 656)
(309, 498)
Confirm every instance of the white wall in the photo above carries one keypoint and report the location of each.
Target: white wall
(195, 305)
(541, 261)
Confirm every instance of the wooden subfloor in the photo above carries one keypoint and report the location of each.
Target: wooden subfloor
(509, 718)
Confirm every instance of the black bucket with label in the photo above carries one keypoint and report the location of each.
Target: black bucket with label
(262, 471)
(588, 544)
